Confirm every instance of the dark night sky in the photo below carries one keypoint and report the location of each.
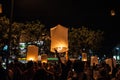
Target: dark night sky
(94, 14)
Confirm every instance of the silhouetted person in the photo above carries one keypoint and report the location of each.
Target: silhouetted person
(65, 67)
(28, 74)
(78, 67)
(16, 70)
(40, 74)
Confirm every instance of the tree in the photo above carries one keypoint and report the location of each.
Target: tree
(15, 36)
(32, 32)
(21, 32)
(35, 32)
(4, 31)
(83, 39)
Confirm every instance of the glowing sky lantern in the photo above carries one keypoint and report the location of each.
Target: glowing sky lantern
(84, 56)
(111, 63)
(0, 8)
(94, 60)
(32, 53)
(44, 58)
(59, 38)
(112, 13)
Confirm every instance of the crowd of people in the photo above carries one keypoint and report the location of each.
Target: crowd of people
(77, 70)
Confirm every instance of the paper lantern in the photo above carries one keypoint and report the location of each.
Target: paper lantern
(39, 57)
(0, 8)
(94, 60)
(84, 56)
(59, 38)
(111, 63)
(112, 13)
(44, 58)
(32, 53)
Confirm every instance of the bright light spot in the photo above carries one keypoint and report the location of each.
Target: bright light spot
(112, 13)
(39, 57)
(3, 63)
(59, 48)
(117, 48)
(44, 61)
(22, 46)
(114, 57)
(5, 48)
(118, 58)
(31, 59)
(98, 58)
(104, 55)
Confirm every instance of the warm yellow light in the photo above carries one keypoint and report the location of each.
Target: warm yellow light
(44, 61)
(59, 38)
(0, 8)
(112, 13)
(44, 58)
(31, 59)
(32, 53)
(39, 57)
(21, 58)
(61, 49)
(94, 60)
(84, 56)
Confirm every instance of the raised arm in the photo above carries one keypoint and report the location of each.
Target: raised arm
(57, 54)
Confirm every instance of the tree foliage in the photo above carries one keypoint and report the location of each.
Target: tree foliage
(32, 31)
(4, 30)
(79, 38)
(84, 39)
(15, 36)
(20, 32)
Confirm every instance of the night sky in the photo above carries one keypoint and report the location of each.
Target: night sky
(94, 14)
